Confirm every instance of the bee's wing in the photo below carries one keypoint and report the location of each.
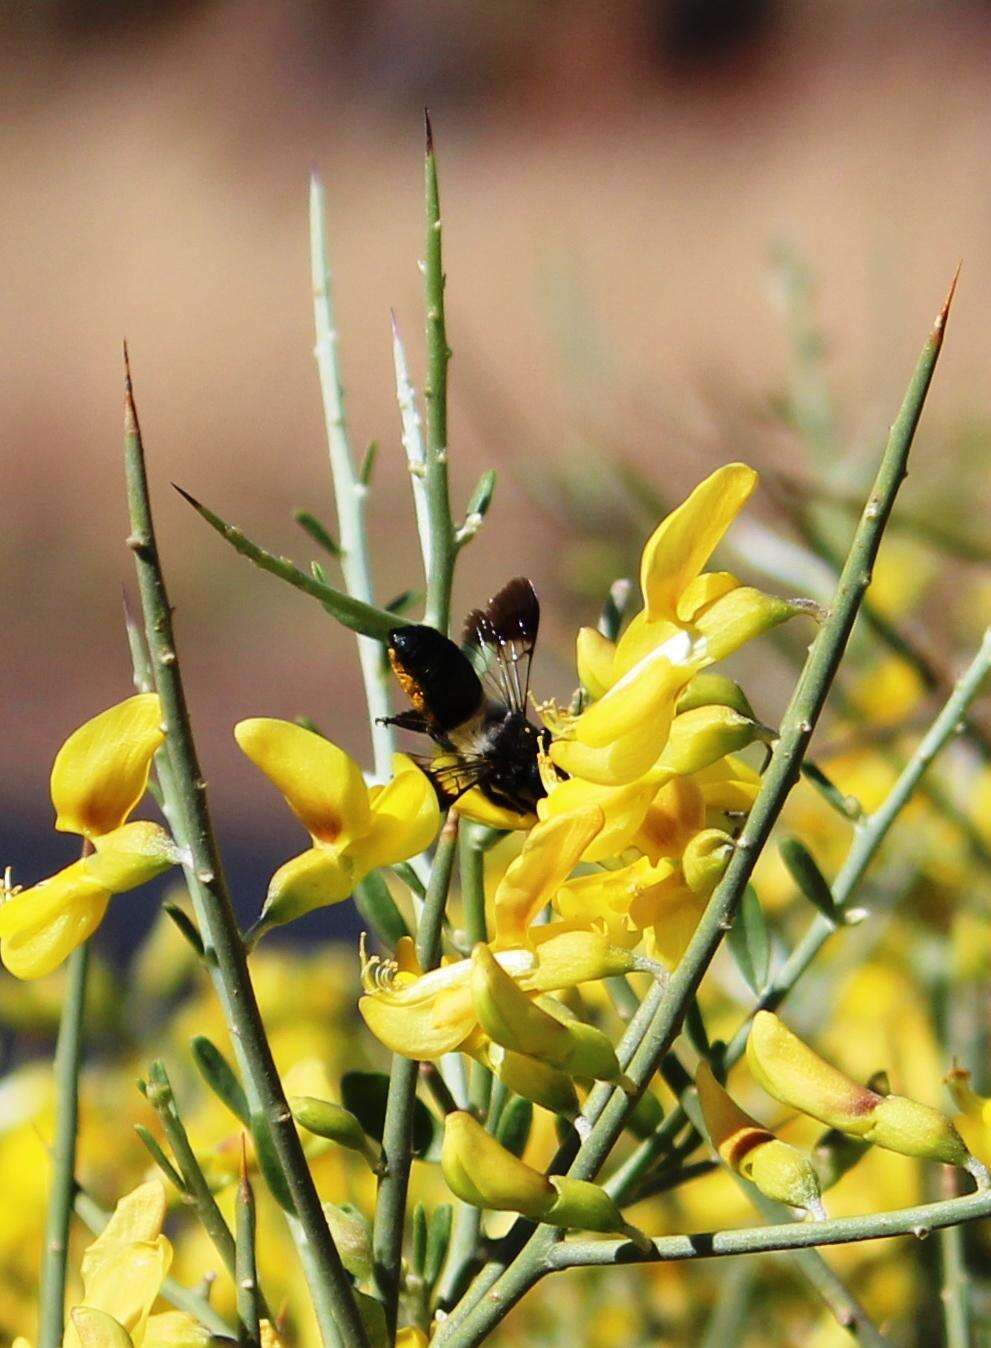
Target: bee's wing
(451, 776)
(505, 633)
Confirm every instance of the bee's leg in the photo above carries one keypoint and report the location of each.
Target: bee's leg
(407, 720)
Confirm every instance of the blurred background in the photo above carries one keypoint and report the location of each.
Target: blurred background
(676, 232)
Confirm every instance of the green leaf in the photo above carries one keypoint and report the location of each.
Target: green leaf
(848, 806)
(404, 601)
(378, 908)
(352, 613)
(311, 525)
(218, 1074)
(749, 941)
(268, 1163)
(160, 1159)
(186, 926)
(419, 1239)
(695, 1028)
(481, 497)
(438, 1239)
(808, 877)
(365, 1095)
(513, 1131)
(368, 463)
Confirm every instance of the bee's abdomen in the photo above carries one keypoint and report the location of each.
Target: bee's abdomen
(436, 676)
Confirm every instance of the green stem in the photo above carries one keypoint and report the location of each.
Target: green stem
(246, 1273)
(440, 571)
(68, 1056)
(917, 1221)
(182, 1298)
(729, 1315)
(397, 1133)
(782, 772)
(870, 834)
(467, 1218)
(412, 434)
(955, 1290)
(352, 613)
(158, 1092)
(224, 952)
(350, 493)
(837, 1297)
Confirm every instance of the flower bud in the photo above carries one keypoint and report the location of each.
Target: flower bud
(481, 1172)
(323, 1118)
(509, 1016)
(791, 1072)
(714, 690)
(583, 1206)
(915, 1129)
(705, 859)
(534, 1080)
(796, 1075)
(704, 735)
(777, 1169)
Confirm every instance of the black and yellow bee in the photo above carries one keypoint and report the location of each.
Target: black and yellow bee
(477, 716)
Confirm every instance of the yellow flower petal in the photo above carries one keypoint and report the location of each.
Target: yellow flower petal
(96, 1329)
(566, 959)
(476, 806)
(733, 620)
(621, 763)
(314, 879)
(647, 692)
(101, 771)
(138, 1216)
(174, 1329)
(421, 1023)
(321, 783)
(682, 544)
(405, 817)
(624, 808)
(676, 812)
(596, 654)
(41, 926)
(551, 852)
(411, 1337)
(127, 1286)
(130, 856)
(703, 591)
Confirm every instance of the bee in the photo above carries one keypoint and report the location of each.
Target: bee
(471, 700)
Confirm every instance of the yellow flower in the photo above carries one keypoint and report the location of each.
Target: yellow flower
(354, 828)
(689, 620)
(122, 1274)
(424, 1015)
(99, 776)
(973, 1123)
(776, 1168)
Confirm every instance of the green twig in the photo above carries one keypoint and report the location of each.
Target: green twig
(412, 433)
(68, 1057)
(350, 489)
(463, 1248)
(158, 1092)
(359, 617)
(224, 952)
(397, 1134)
(782, 772)
(246, 1273)
(917, 1221)
(440, 572)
